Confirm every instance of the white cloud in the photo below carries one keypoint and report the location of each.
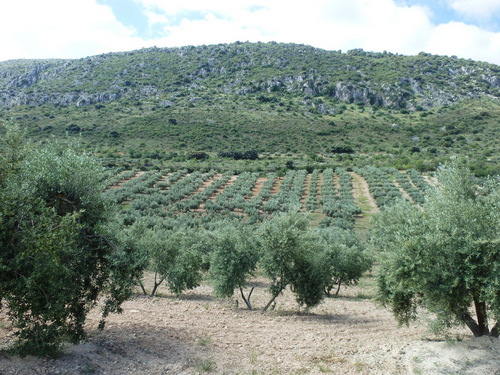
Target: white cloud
(463, 40)
(217, 6)
(374, 25)
(370, 24)
(60, 28)
(476, 9)
(155, 18)
(211, 30)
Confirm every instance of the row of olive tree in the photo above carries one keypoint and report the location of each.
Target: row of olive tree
(310, 261)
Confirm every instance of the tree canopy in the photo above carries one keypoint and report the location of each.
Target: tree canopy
(292, 255)
(444, 255)
(56, 258)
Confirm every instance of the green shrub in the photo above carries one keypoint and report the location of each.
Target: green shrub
(233, 259)
(56, 257)
(444, 255)
(290, 257)
(175, 255)
(345, 257)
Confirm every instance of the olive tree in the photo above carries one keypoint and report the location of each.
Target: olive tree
(234, 257)
(56, 257)
(444, 255)
(177, 257)
(291, 256)
(346, 259)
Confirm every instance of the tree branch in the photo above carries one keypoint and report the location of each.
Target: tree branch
(471, 323)
(66, 200)
(247, 300)
(340, 283)
(494, 330)
(270, 302)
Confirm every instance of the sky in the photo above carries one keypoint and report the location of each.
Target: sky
(80, 28)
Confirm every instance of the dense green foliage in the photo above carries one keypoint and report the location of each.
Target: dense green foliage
(56, 259)
(221, 208)
(292, 256)
(345, 257)
(185, 224)
(444, 255)
(234, 257)
(310, 261)
(176, 256)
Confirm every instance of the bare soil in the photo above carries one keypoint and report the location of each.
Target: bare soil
(257, 187)
(194, 333)
(320, 186)
(164, 178)
(218, 191)
(121, 182)
(305, 192)
(403, 192)
(203, 186)
(276, 186)
(361, 194)
(431, 180)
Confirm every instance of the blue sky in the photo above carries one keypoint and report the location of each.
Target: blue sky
(79, 28)
(484, 14)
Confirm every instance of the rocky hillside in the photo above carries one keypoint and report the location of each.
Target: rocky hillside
(176, 76)
(384, 109)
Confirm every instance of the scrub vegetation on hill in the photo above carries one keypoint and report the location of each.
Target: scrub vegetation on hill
(403, 111)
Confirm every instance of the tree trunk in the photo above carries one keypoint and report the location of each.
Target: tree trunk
(247, 300)
(482, 317)
(338, 289)
(473, 326)
(281, 285)
(157, 284)
(142, 287)
(271, 302)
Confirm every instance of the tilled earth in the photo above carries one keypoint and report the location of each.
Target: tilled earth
(195, 333)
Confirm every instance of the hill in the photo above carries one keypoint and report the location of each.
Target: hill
(406, 111)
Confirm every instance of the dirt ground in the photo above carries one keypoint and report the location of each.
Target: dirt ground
(194, 333)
